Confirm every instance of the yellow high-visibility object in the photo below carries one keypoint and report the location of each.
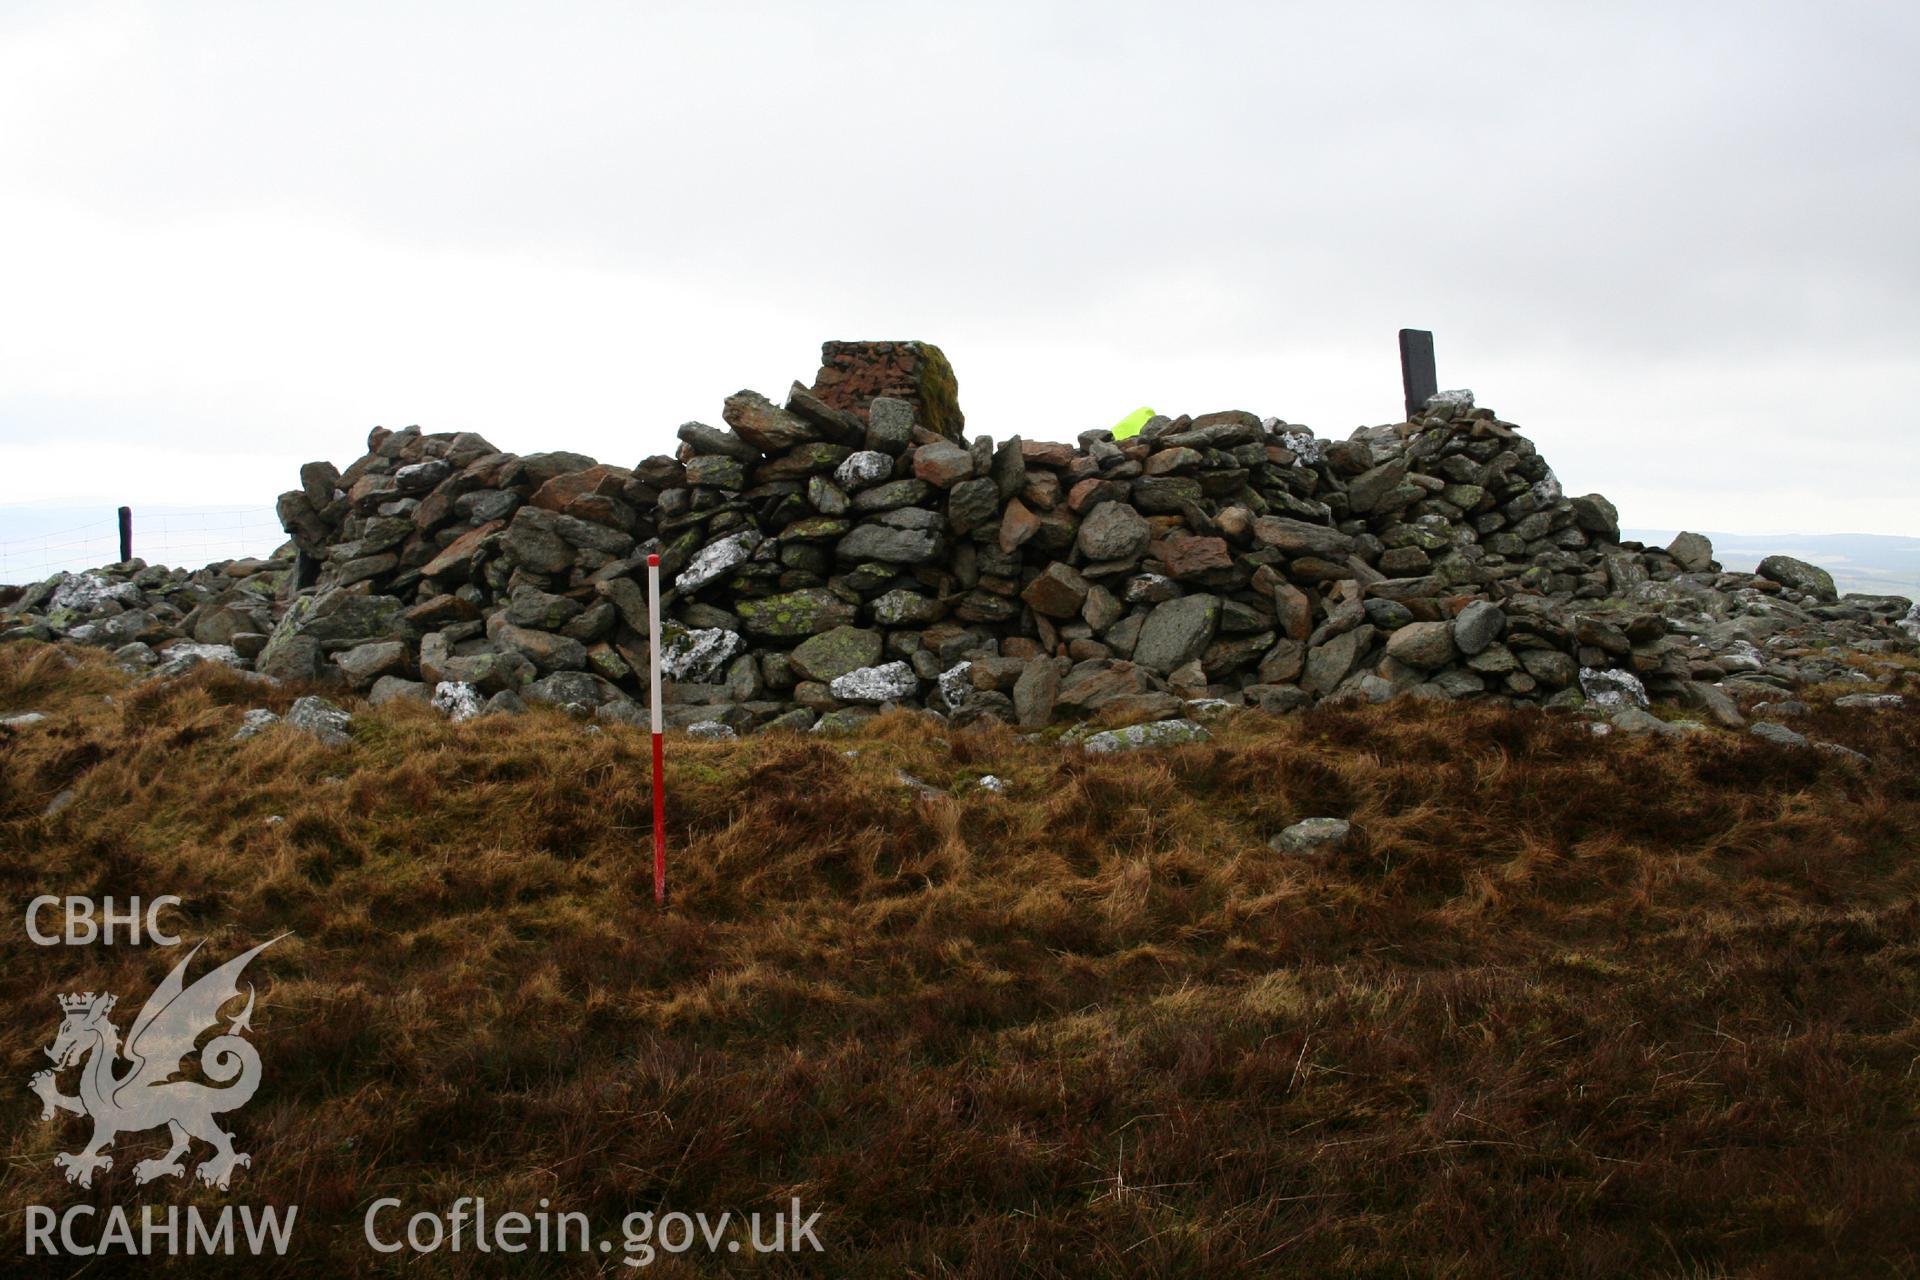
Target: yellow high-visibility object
(1129, 426)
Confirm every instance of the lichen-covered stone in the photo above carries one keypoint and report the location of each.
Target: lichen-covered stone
(1136, 737)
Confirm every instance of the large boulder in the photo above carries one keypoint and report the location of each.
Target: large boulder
(1177, 632)
(329, 622)
(794, 615)
(1805, 578)
(1426, 645)
(832, 654)
(1114, 531)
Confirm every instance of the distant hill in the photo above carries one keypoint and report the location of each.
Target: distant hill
(1878, 564)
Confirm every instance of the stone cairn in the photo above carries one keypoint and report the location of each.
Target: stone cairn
(851, 550)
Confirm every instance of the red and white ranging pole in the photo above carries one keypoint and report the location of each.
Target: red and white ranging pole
(659, 791)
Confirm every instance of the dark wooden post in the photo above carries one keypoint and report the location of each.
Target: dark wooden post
(126, 534)
(1417, 377)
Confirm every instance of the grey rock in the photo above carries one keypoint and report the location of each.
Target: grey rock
(1332, 661)
(764, 425)
(1136, 737)
(422, 477)
(322, 719)
(1595, 515)
(1035, 693)
(1298, 538)
(842, 721)
(545, 650)
(532, 542)
(1425, 645)
(863, 470)
(87, 593)
(529, 606)
(365, 663)
(255, 722)
(1177, 632)
(896, 546)
(888, 683)
(1550, 667)
(1612, 688)
(903, 608)
(579, 690)
(135, 656)
(1779, 735)
(706, 439)
(889, 425)
(1313, 837)
(712, 471)
(794, 615)
(973, 504)
(699, 654)
(1870, 701)
(711, 731)
(1692, 552)
(392, 688)
(1800, 576)
(1637, 721)
(1114, 531)
(955, 684)
(832, 654)
(1477, 626)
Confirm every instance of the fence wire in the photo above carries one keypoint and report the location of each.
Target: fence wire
(180, 539)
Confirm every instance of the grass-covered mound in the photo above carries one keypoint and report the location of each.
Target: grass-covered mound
(1565, 1005)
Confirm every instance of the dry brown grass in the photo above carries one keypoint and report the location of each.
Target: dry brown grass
(1566, 1006)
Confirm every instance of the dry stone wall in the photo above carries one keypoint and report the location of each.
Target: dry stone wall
(851, 549)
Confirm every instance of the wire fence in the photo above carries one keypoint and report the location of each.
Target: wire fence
(161, 535)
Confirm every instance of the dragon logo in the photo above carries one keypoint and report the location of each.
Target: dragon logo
(145, 1095)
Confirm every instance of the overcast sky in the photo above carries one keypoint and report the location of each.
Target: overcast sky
(1676, 243)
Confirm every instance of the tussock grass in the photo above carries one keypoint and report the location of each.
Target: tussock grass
(1565, 1005)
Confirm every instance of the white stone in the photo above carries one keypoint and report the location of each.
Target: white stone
(699, 654)
(862, 470)
(954, 684)
(888, 683)
(1612, 688)
(85, 592)
(457, 700)
(22, 720)
(711, 731)
(1304, 445)
(717, 558)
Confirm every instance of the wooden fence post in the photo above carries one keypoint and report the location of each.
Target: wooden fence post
(1417, 376)
(126, 534)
